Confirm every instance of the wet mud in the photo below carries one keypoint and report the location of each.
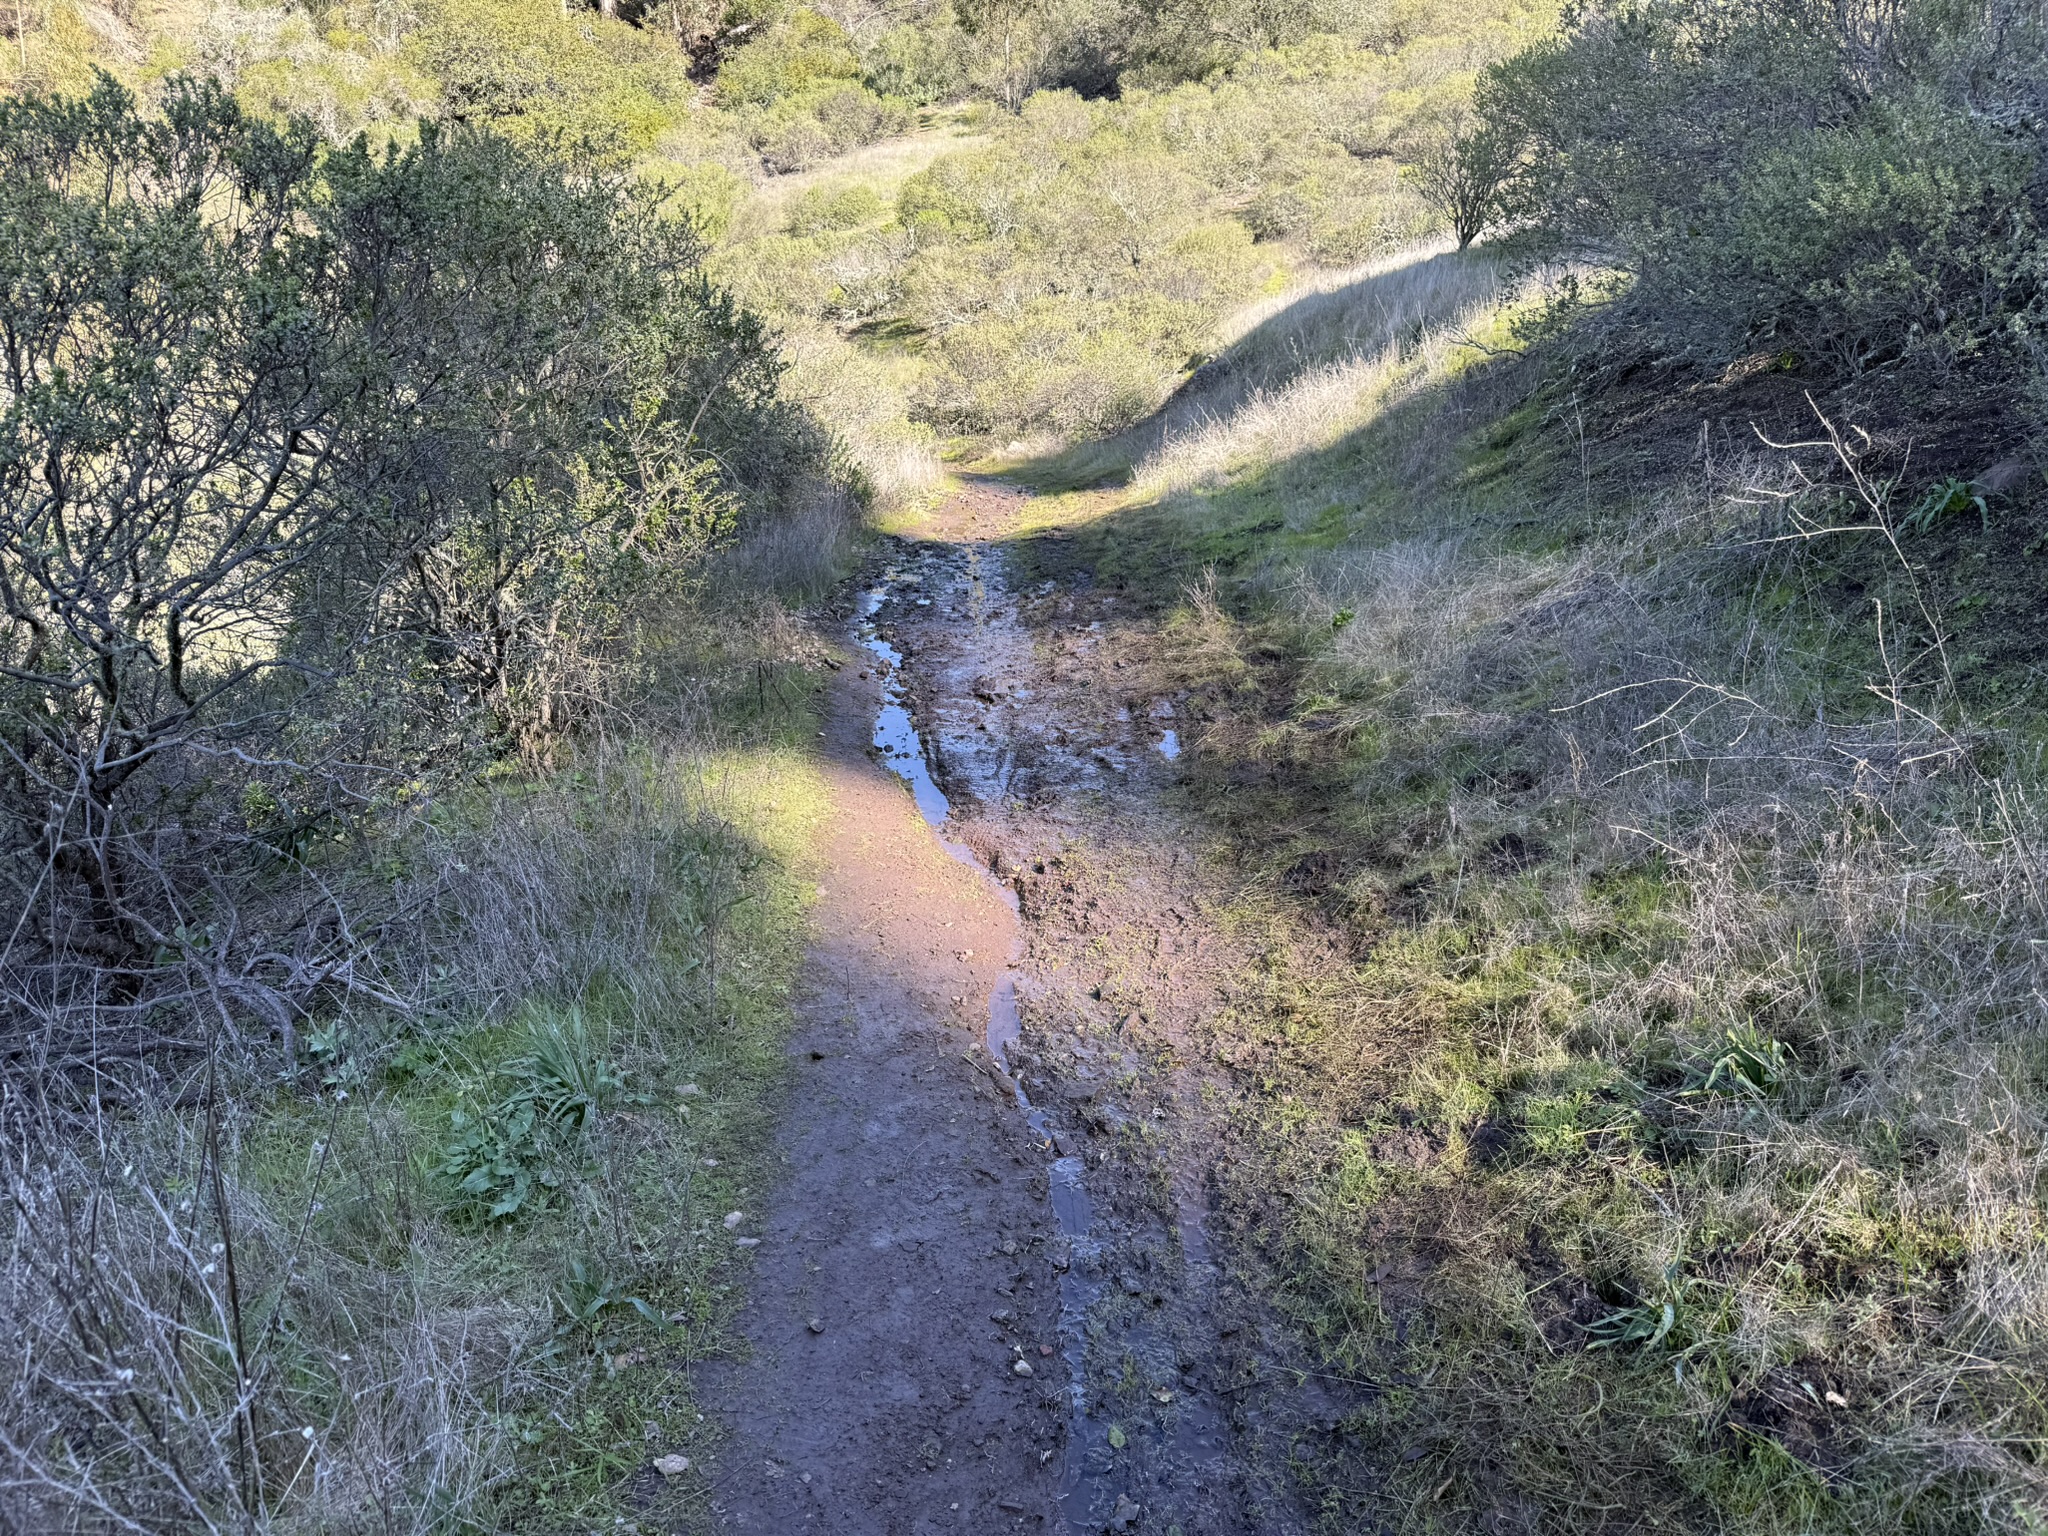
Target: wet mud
(1024, 756)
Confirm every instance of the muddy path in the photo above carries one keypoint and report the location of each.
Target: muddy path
(987, 1293)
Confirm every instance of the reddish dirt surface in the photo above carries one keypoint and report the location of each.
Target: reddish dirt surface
(912, 1217)
(915, 1224)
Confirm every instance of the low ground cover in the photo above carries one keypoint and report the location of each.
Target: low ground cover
(1638, 1078)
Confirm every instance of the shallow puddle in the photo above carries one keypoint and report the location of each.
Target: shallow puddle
(896, 735)
(1082, 1281)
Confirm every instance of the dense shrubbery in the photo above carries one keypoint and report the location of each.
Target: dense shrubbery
(1856, 188)
(322, 475)
(1061, 269)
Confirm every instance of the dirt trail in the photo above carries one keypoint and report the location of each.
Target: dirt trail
(943, 1220)
(903, 1269)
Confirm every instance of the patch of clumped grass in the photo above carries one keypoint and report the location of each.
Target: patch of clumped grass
(453, 1270)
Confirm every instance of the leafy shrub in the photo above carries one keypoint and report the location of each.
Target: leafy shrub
(796, 57)
(536, 422)
(528, 69)
(505, 1158)
(823, 209)
(1860, 194)
(923, 64)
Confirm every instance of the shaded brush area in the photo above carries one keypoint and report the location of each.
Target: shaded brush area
(1632, 801)
(394, 663)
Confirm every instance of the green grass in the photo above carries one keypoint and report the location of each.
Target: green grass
(1644, 1141)
(608, 1138)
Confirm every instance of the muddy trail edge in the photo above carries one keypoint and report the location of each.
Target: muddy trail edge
(903, 1310)
(984, 1296)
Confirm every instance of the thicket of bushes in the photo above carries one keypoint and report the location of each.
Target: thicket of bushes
(325, 475)
(363, 514)
(1859, 192)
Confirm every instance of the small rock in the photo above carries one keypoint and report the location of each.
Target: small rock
(1005, 1316)
(733, 1219)
(1045, 1350)
(816, 1325)
(1009, 1250)
(671, 1466)
(1022, 1368)
(1125, 1515)
(689, 1091)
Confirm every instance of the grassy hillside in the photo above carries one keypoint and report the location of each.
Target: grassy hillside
(1625, 752)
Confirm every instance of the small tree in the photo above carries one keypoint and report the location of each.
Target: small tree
(1461, 175)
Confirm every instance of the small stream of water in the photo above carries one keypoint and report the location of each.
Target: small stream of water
(1082, 1280)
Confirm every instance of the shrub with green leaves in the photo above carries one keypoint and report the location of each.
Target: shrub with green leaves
(1860, 191)
(321, 471)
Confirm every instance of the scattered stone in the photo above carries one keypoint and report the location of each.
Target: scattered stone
(1125, 1515)
(1045, 1350)
(746, 1242)
(671, 1466)
(1022, 1368)
(689, 1091)
(733, 1219)
(1009, 1250)
(816, 1325)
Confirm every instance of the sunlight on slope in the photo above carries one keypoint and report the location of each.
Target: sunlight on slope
(1306, 365)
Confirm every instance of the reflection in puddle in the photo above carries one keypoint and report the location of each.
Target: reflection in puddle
(1082, 1281)
(895, 732)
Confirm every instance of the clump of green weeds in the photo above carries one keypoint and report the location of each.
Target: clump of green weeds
(507, 1156)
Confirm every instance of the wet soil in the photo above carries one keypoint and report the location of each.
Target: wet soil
(1001, 1145)
(903, 1268)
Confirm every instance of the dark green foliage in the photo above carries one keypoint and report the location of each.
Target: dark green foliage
(1856, 189)
(504, 1158)
(321, 473)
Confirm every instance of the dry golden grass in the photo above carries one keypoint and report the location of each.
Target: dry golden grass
(1296, 371)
